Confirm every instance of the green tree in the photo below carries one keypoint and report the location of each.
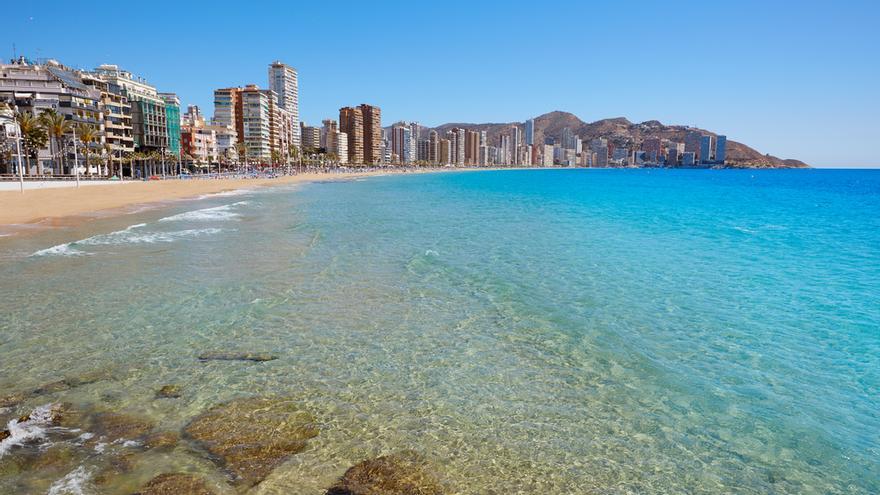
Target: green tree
(277, 158)
(87, 134)
(242, 150)
(56, 126)
(33, 136)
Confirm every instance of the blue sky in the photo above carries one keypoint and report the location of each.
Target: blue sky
(797, 79)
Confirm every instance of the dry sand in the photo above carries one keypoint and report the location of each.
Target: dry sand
(62, 206)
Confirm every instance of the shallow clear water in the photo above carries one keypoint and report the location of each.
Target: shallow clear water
(567, 331)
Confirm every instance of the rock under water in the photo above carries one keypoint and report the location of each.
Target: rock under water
(395, 474)
(249, 437)
(168, 392)
(176, 484)
(258, 357)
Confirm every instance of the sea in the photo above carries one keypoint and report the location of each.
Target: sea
(568, 331)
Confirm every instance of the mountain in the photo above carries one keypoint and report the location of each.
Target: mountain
(622, 132)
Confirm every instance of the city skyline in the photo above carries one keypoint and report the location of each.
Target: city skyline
(730, 84)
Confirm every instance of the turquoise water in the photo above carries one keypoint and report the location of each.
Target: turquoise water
(565, 331)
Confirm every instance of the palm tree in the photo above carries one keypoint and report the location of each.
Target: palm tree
(241, 148)
(87, 134)
(34, 137)
(294, 154)
(56, 127)
(277, 156)
(126, 158)
(135, 157)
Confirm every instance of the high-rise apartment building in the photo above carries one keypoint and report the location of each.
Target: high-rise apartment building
(172, 122)
(197, 139)
(471, 147)
(403, 143)
(372, 133)
(148, 117)
(351, 122)
(599, 147)
(311, 137)
(445, 151)
(692, 141)
(255, 110)
(328, 128)
(284, 81)
(117, 120)
(706, 149)
(547, 155)
(530, 131)
(568, 139)
(433, 147)
(515, 137)
(653, 149)
(720, 149)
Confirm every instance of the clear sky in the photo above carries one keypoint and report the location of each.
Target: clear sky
(797, 79)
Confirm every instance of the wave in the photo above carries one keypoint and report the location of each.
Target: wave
(235, 192)
(65, 249)
(74, 483)
(33, 429)
(128, 235)
(216, 213)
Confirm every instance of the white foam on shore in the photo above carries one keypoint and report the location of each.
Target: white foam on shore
(215, 213)
(32, 430)
(60, 250)
(235, 192)
(74, 483)
(128, 237)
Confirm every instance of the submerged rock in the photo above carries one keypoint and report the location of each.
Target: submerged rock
(70, 382)
(161, 440)
(258, 357)
(115, 426)
(176, 484)
(12, 400)
(250, 437)
(117, 465)
(168, 392)
(388, 475)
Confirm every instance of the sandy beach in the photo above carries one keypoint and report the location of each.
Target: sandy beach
(63, 206)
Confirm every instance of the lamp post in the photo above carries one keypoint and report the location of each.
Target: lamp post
(75, 157)
(13, 130)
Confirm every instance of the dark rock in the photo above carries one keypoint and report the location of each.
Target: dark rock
(162, 440)
(66, 415)
(168, 392)
(119, 464)
(237, 356)
(250, 437)
(56, 386)
(70, 382)
(176, 484)
(12, 400)
(4, 435)
(388, 475)
(57, 457)
(115, 426)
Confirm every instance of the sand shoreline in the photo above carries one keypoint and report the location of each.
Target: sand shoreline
(36, 209)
